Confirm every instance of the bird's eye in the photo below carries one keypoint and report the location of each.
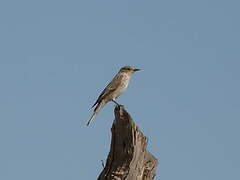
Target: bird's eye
(127, 69)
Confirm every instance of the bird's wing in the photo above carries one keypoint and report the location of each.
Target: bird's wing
(111, 87)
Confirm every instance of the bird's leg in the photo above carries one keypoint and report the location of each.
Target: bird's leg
(115, 102)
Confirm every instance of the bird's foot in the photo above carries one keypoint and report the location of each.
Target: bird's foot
(115, 102)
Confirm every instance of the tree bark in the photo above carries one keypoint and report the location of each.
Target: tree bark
(128, 158)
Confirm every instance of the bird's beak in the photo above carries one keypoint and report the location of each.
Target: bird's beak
(136, 70)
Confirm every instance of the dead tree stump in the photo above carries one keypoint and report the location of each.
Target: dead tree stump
(128, 158)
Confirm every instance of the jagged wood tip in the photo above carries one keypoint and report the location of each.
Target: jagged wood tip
(128, 158)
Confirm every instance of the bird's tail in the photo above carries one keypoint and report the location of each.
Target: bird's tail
(96, 110)
(92, 117)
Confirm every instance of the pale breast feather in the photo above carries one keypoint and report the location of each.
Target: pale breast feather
(125, 81)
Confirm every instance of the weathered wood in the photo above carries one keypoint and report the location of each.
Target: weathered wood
(128, 158)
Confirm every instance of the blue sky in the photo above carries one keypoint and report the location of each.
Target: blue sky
(57, 56)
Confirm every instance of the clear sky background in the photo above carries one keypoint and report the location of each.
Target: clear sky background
(57, 56)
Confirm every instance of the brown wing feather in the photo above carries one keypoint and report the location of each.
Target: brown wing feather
(112, 86)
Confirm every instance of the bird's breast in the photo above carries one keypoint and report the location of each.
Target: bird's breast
(124, 81)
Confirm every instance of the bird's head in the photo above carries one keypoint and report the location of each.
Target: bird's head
(129, 69)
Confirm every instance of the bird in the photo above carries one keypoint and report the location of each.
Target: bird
(113, 90)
